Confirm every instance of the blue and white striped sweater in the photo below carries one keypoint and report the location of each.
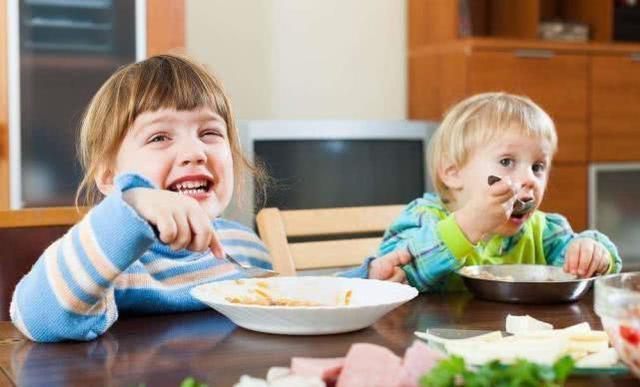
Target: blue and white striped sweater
(111, 261)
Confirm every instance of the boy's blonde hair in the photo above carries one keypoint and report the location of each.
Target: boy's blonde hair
(159, 82)
(475, 121)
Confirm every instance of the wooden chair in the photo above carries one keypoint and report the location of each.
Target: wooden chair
(347, 235)
(24, 235)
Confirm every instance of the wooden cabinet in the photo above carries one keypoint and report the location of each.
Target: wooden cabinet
(556, 81)
(48, 49)
(615, 108)
(567, 194)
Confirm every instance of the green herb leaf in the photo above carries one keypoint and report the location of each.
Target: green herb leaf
(563, 368)
(191, 382)
(452, 372)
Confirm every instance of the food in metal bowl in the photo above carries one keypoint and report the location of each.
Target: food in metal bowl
(521, 283)
(617, 302)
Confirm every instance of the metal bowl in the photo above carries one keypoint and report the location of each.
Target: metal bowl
(533, 284)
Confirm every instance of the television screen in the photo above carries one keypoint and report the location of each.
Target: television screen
(342, 173)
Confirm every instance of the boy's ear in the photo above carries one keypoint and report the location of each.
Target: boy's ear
(450, 176)
(104, 180)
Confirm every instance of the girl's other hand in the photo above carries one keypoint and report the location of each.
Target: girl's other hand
(389, 267)
(180, 220)
(586, 257)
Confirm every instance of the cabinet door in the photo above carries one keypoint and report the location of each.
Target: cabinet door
(62, 45)
(615, 112)
(65, 51)
(567, 194)
(557, 82)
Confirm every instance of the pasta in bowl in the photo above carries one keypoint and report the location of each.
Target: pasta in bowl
(304, 305)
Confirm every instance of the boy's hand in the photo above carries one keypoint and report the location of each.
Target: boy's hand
(586, 257)
(388, 267)
(488, 210)
(180, 220)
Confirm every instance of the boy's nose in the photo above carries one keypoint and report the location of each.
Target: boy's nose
(528, 180)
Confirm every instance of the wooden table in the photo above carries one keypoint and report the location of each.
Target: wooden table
(162, 350)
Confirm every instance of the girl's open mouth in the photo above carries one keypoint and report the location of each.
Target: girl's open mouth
(197, 187)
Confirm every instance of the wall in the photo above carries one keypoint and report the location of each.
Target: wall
(305, 59)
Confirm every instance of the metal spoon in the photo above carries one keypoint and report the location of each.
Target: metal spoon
(251, 271)
(248, 270)
(519, 207)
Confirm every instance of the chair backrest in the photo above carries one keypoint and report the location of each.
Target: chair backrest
(323, 238)
(24, 235)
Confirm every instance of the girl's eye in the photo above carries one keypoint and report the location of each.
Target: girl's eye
(538, 167)
(506, 162)
(158, 138)
(211, 132)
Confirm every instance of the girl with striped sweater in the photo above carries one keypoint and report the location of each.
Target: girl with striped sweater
(161, 154)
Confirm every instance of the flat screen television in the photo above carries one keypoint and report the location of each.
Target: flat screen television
(329, 163)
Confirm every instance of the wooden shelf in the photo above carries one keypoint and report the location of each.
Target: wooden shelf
(493, 43)
(88, 62)
(434, 21)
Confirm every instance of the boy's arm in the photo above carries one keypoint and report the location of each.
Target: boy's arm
(438, 246)
(557, 236)
(68, 294)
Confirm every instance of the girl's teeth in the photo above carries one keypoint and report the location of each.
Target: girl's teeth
(192, 191)
(189, 185)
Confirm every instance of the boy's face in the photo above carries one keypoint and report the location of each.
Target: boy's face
(182, 151)
(514, 156)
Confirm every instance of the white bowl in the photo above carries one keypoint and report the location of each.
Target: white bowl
(370, 300)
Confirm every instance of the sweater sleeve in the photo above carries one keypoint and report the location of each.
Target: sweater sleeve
(557, 236)
(435, 242)
(68, 294)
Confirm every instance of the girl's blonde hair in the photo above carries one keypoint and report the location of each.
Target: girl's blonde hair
(159, 82)
(475, 121)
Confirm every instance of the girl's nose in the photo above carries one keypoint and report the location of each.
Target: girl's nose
(192, 153)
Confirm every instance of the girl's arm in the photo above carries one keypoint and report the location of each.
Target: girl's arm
(434, 240)
(557, 236)
(68, 294)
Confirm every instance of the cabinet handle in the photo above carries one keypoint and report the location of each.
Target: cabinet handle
(635, 56)
(532, 53)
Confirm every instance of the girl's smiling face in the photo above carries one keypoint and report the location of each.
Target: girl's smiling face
(182, 151)
(522, 159)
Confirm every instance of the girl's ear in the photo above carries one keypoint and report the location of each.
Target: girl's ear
(451, 177)
(104, 179)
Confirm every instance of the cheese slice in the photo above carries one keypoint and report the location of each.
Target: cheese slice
(577, 355)
(526, 323)
(487, 337)
(582, 327)
(605, 358)
(591, 341)
(509, 349)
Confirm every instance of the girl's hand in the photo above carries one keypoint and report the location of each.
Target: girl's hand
(486, 211)
(179, 219)
(586, 257)
(388, 267)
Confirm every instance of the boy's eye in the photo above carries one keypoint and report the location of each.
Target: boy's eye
(538, 167)
(506, 162)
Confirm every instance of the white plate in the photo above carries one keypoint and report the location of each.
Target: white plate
(370, 300)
